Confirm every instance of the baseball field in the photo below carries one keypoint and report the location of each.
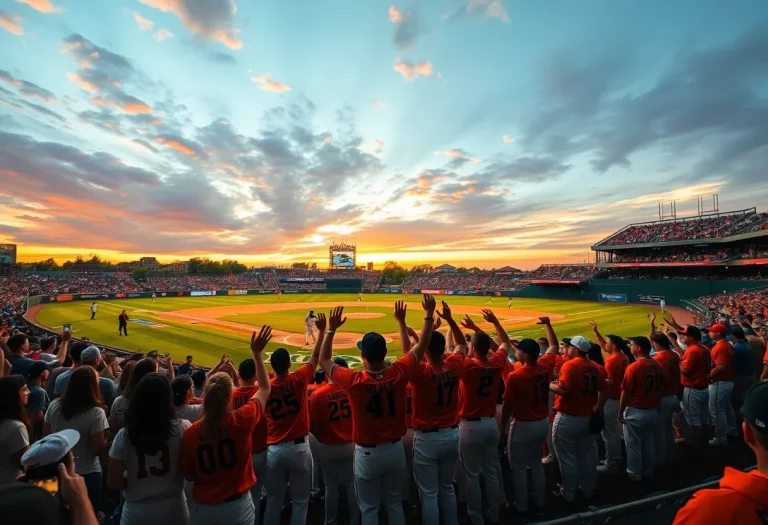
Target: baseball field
(207, 327)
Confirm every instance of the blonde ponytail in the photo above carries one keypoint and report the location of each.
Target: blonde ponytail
(216, 394)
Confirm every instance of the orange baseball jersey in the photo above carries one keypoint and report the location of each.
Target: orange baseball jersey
(479, 385)
(409, 406)
(286, 412)
(221, 465)
(240, 396)
(331, 415)
(436, 392)
(378, 400)
(741, 499)
(669, 362)
(643, 383)
(722, 354)
(508, 369)
(527, 389)
(584, 380)
(696, 359)
(552, 362)
(615, 367)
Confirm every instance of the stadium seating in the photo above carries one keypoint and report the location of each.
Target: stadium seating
(448, 281)
(504, 282)
(562, 272)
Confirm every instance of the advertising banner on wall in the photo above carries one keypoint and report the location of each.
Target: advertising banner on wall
(650, 299)
(64, 297)
(237, 292)
(202, 293)
(612, 297)
(94, 296)
(433, 292)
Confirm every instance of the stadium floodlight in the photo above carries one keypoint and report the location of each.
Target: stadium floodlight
(664, 214)
(703, 207)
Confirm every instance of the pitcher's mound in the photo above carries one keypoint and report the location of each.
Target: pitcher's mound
(364, 315)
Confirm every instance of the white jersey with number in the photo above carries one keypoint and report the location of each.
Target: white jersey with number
(151, 476)
(309, 322)
(93, 308)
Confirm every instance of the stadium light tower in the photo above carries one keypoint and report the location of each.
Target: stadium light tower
(667, 214)
(703, 207)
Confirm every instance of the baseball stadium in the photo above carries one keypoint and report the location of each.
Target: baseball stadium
(650, 277)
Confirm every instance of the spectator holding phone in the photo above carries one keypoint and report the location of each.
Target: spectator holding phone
(14, 427)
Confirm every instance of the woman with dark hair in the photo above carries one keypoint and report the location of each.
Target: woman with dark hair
(80, 408)
(14, 427)
(117, 414)
(182, 395)
(144, 458)
(125, 376)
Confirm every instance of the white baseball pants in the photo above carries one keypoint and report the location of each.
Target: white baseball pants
(479, 449)
(639, 432)
(336, 462)
(612, 433)
(288, 462)
(378, 476)
(408, 472)
(721, 414)
(259, 462)
(310, 333)
(576, 451)
(238, 512)
(695, 409)
(524, 452)
(550, 443)
(434, 463)
(664, 436)
(317, 475)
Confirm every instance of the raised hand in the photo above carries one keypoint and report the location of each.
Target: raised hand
(66, 336)
(593, 325)
(258, 343)
(544, 320)
(429, 304)
(335, 320)
(412, 333)
(320, 322)
(445, 314)
(468, 323)
(400, 310)
(438, 323)
(489, 316)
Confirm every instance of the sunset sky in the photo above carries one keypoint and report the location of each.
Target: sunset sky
(473, 132)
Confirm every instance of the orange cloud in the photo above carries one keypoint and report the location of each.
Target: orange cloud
(395, 16)
(11, 23)
(211, 20)
(145, 24)
(175, 145)
(507, 139)
(454, 153)
(84, 84)
(44, 6)
(130, 106)
(266, 83)
(411, 71)
(162, 35)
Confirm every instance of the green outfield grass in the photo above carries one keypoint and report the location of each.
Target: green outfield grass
(207, 344)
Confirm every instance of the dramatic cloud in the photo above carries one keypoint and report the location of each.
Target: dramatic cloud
(266, 83)
(411, 71)
(125, 103)
(406, 28)
(11, 23)
(84, 84)
(525, 169)
(162, 35)
(44, 6)
(29, 89)
(144, 24)
(395, 16)
(212, 20)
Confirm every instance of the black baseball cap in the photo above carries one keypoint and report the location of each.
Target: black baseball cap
(692, 331)
(36, 369)
(738, 332)
(756, 407)
(566, 341)
(373, 346)
(341, 362)
(530, 347)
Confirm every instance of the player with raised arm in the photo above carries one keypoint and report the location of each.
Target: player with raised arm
(289, 458)
(378, 401)
(216, 450)
(550, 359)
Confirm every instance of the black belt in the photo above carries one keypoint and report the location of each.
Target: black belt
(367, 445)
(432, 430)
(297, 441)
(477, 418)
(235, 497)
(698, 387)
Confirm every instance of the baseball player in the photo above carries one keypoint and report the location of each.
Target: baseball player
(410, 435)
(721, 414)
(331, 422)
(742, 497)
(550, 359)
(153, 296)
(309, 324)
(378, 402)
(615, 368)
(289, 458)
(695, 365)
(478, 431)
(360, 297)
(122, 321)
(669, 361)
(317, 476)
(579, 387)
(526, 397)
(216, 450)
(509, 303)
(639, 408)
(93, 311)
(662, 304)
(240, 396)
(436, 420)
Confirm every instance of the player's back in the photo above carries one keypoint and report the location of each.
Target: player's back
(240, 396)
(286, 411)
(697, 361)
(378, 400)
(220, 464)
(527, 389)
(583, 379)
(435, 394)
(644, 382)
(480, 385)
(669, 362)
(615, 368)
(331, 415)
(722, 355)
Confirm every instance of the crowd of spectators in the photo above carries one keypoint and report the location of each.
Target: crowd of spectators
(753, 302)
(448, 281)
(504, 282)
(371, 280)
(186, 283)
(711, 227)
(678, 255)
(746, 274)
(563, 272)
(15, 288)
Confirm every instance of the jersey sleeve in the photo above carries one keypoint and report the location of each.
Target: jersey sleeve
(305, 374)
(687, 360)
(247, 415)
(344, 377)
(99, 422)
(566, 379)
(499, 358)
(407, 365)
(119, 448)
(626, 383)
(15, 441)
(509, 393)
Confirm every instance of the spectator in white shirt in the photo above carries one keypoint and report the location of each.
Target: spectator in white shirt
(14, 427)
